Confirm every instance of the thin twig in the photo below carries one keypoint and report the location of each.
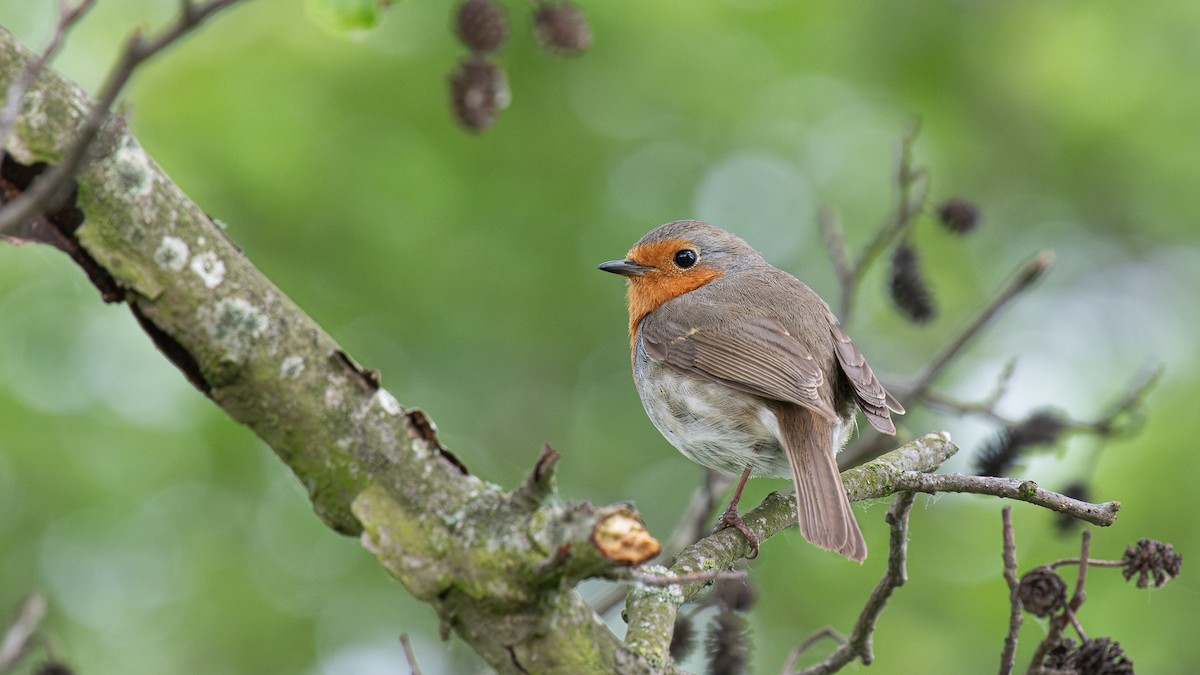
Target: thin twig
(409, 655)
(859, 645)
(1008, 656)
(1090, 563)
(834, 236)
(1021, 281)
(22, 632)
(1105, 425)
(912, 185)
(1059, 622)
(1129, 404)
(826, 633)
(1103, 514)
(1085, 549)
(50, 187)
(67, 16)
(1075, 623)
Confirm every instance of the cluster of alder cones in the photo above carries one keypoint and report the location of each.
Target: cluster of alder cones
(478, 86)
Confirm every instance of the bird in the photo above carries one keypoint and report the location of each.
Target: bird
(746, 370)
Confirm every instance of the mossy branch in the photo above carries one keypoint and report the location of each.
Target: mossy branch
(498, 567)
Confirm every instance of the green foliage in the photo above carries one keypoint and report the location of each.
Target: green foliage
(344, 15)
(167, 539)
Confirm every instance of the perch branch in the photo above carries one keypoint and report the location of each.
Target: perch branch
(651, 611)
(1103, 514)
(693, 524)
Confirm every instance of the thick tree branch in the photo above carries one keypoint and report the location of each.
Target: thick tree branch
(498, 567)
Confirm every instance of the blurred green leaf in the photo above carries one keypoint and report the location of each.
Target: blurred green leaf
(344, 15)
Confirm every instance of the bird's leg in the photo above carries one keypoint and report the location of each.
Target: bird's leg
(731, 518)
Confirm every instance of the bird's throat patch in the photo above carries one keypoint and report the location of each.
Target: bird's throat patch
(666, 281)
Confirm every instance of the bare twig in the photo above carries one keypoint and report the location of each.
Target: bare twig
(835, 244)
(1129, 404)
(1103, 514)
(1025, 277)
(826, 633)
(409, 656)
(1009, 655)
(22, 632)
(859, 645)
(694, 522)
(1107, 424)
(67, 16)
(52, 186)
(1085, 549)
(1068, 615)
(912, 185)
(1090, 563)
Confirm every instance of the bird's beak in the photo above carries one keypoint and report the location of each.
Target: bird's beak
(626, 268)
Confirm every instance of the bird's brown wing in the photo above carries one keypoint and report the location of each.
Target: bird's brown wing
(872, 398)
(756, 355)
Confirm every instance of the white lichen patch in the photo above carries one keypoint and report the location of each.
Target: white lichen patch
(333, 392)
(388, 402)
(291, 367)
(209, 268)
(235, 325)
(130, 170)
(171, 254)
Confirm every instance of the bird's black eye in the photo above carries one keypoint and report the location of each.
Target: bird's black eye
(685, 258)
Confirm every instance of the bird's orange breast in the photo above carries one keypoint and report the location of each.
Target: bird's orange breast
(666, 281)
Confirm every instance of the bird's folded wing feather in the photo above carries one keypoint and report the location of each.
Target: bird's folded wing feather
(756, 355)
(872, 398)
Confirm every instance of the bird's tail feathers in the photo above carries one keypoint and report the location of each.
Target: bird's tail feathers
(823, 510)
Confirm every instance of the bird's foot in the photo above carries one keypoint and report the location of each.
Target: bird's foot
(731, 519)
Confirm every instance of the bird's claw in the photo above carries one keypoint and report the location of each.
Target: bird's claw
(731, 519)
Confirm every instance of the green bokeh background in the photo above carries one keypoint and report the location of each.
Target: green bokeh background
(170, 540)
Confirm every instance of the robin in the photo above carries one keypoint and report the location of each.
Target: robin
(744, 369)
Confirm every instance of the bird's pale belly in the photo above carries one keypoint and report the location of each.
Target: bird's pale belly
(713, 425)
(717, 426)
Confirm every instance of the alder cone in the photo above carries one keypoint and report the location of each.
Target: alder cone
(481, 26)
